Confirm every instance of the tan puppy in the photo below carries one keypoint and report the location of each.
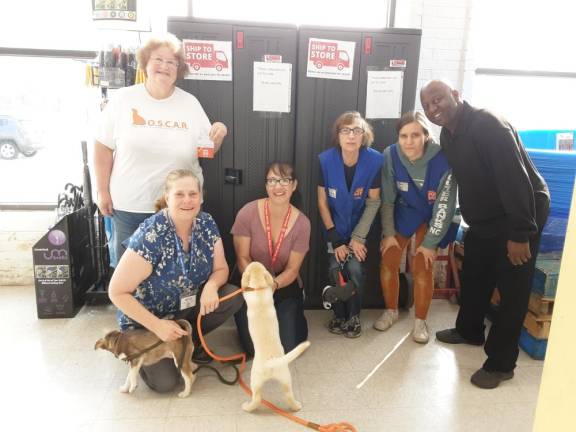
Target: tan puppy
(127, 345)
(270, 362)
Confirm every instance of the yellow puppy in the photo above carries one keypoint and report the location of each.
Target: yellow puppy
(270, 362)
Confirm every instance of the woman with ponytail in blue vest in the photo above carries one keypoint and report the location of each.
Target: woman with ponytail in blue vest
(348, 200)
(418, 197)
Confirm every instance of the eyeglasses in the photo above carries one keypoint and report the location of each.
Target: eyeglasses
(284, 181)
(346, 131)
(172, 64)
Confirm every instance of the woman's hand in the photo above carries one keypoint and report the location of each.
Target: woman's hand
(168, 330)
(217, 133)
(388, 242)
(209, 300)
(429, 255)
(358, 249)
(341, 253)
(105, 203)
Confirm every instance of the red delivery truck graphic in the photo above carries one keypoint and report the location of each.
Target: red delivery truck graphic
(203, 55)
(327, 54)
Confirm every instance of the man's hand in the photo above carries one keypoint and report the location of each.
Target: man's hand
(358, 249)
(168, 330)
(518, 253)
(209, 300)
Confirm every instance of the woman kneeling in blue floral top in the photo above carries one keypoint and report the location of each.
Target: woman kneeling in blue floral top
(174, 267)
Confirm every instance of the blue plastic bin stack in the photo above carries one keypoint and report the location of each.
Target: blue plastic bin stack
(559, 170)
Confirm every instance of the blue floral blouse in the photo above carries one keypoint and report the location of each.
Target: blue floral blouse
(154, 240)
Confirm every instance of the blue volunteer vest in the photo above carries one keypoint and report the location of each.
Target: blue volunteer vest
(414, 206)
(347, 206)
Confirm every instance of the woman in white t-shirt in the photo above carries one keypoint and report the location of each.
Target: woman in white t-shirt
(148, 130)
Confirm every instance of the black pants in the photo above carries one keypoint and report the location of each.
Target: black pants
(164, 376)
(291, 321)
(486, 266)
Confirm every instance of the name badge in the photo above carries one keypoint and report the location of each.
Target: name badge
(403, 186)
(187, 302)
(332, 193)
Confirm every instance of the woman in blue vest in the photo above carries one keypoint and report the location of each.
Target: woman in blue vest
(418, 197)
(348, 200)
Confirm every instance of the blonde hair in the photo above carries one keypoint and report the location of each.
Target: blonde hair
(160, 41)
(348, 118)
(169, 182)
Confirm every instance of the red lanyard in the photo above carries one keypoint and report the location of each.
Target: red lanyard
(274, 255)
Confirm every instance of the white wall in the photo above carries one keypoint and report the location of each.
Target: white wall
(446, 40)
(19, 231)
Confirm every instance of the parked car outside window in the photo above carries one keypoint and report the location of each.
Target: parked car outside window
(15, 139)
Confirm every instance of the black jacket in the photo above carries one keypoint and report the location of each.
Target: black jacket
(498, 185)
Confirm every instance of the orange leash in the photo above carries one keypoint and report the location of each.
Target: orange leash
(331, 427)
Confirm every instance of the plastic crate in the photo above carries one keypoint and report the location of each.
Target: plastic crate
(535, 348)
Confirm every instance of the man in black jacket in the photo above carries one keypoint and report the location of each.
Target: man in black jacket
(505, 202)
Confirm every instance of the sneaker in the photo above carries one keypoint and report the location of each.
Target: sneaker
(420, 332)
(200, 356)
(335, 325)
(490, 379)
(386, 320)
(451, 336)
(352, 328)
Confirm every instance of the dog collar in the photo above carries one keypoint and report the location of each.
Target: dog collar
(249, 289)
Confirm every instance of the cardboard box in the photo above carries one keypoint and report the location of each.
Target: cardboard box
(537, 327)
(541, 307)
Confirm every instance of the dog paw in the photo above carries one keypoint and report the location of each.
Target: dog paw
(124, 389)
(295, 406)
(184, 394)
(248, 406)
(131, 389)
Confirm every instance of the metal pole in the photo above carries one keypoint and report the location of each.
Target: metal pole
(391, 13)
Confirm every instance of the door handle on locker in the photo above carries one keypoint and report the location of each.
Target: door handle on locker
(232, 176)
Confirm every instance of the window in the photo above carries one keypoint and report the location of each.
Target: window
(46, 109)
(45, 114)
(363, 13)
(525, 71)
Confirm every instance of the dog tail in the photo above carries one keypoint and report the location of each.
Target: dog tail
(185, 325)
(287, 358)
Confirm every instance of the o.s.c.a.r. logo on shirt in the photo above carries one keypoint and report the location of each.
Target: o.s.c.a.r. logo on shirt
(138, 120)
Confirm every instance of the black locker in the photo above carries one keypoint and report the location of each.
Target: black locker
(320, 102)
(254, 138)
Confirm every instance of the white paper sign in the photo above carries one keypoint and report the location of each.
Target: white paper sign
(384, 94)
(272, 87)
(208, 60)
(330, 59)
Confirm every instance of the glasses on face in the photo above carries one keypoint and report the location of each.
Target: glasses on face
(284, 181)
(172, 64)
(346, 131)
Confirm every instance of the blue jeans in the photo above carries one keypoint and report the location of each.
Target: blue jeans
(355, 269)
(125, 223)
